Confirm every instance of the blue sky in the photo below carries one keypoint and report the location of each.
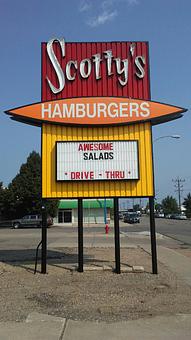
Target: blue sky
(165, 24)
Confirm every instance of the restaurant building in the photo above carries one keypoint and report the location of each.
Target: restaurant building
(94, 211)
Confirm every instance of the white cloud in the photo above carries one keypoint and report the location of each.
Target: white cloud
(132, 2)
(84, 6)
(102, 18)
(106, 4)
(103, 11)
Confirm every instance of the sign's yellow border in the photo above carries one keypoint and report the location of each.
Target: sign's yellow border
(138, 188)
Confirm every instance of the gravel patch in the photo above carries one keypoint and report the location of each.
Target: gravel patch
(92, 295)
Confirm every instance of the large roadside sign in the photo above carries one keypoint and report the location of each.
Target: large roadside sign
(96, 118)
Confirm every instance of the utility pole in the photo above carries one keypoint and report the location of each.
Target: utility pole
(179, 188)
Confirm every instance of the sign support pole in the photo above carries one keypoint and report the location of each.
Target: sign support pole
(80, 235)
(44, 241)
(117, 238)
(153, 236)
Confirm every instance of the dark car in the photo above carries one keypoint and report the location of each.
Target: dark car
(120, 215)
(30, 221)
(131, 218)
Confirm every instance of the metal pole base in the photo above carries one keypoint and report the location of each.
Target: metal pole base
(80, 236)
(44, 241)
(117, 236)
(153, 236)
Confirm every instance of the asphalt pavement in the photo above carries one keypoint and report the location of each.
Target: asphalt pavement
(28, 238)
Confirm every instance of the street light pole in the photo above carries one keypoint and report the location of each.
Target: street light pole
(168, 136)
(178, 184)
(152, 220)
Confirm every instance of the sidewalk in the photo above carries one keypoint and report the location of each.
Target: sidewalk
(178, 263)
(45, 327)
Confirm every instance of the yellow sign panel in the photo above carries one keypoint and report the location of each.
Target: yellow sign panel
(142, 187)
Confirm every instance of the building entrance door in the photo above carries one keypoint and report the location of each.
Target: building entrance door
(68, 216)
(65, 216)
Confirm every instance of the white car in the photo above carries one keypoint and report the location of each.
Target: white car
(179, 217)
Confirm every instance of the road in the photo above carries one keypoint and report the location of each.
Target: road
(178, 230)
(28, 238)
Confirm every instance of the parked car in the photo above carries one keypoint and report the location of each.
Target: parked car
(131, 218)
(138, 213)
(179, 217)
(159, 214)
(30, 221)
(26, 221)
(120, 215)
(168, 216)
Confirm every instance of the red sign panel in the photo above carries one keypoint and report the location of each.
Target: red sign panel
(119, 69)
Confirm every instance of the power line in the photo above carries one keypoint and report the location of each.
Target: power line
(179, 188)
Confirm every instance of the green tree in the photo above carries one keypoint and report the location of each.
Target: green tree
(24, 192)
(158, 207)
(169, 205)
(1, 192)
(2, 200)
(187, 205)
